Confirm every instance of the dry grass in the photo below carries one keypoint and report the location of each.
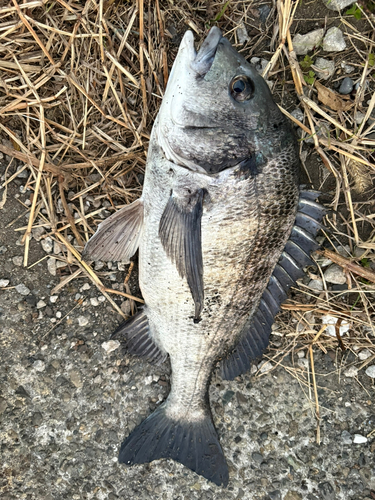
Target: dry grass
(80, 86)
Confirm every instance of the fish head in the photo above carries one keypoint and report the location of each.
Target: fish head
(217, 110)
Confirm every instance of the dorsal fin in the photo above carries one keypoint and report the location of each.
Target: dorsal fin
(296, 255)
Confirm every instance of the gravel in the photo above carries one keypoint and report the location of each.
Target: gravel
(346, 86)
(370, 371)
(324, 68)
(334, 40)
(337, 4)
(305, 43)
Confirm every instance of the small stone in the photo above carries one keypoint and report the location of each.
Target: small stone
(57, 248)
(37, 233)
(40, 304)
(37, 418)
(331, 328)
(125, 307)
(257, 457)
(264, 11)
(3, 249)
(39, 365)
(334, 40)
(83, 321)
(53, 298)
(335, 274)
(75, 378)
(51, 265)
(351, 372)
(316, 285)
(94, 302)
(4, 283)
(22, 289)
(346, 437)
(364, 354)
(265, 366)
(58, 315)
(346, 86)
(347, 68)
(18, 260)
(242, 34)
(358, 118)
(301, 354)
(303, 44)
(370, 371)
(324, 68)
(99, 265)
(298, 114)
(121, 266)
(111, 345)
(337, 4)
(86, 286)
(47, 244)
(359, 439)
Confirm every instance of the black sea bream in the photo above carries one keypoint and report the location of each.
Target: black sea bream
(223, 231)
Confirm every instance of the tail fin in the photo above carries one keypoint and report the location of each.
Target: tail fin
(193, 444)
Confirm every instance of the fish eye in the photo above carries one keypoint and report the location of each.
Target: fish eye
(241, 88)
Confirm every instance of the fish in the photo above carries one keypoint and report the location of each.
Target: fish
(223, 230)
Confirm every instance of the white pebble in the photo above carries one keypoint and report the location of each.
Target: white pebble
(18, 260)
(331, 328)
(58, 314)
(334, 40)
(335, 274)
(22, 289)
(47, 244)
(51, 265)
(121, 266)
(40, 304)
(148, 380)
(359, 439)
(364, 354)
(53, 298)
(82, 321)
(351, 372)
(265, 366)
(301, 354)
(303, 363)
(86, 286)
(39, 365)
(101, 298)
(111, 345)
(4, 283)
(370, 371)
(94, 302)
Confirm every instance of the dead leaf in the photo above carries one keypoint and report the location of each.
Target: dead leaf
(331, 99)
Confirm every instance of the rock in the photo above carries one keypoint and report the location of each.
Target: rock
(99, 265)
(53, 298)
(125, 307)
(275, 495)
(57, 248)
(83, 321)
(364, 354)
(359, 439)
(316, 285)
(37, 233)
(257, 457)
(302, 44)
(351, 372)
(324, 68)
(39, 365)
(111, 345)
(84, 287)
(75, 378)
(347, 68)
(327, 491)
(4, 283)
(47, 244)
(18, 260)
(51, 265)
(40, 304)
(22, 289)
(337, 4)
(346, 437)
(242, 34)
(334, 40)
(335, 274)
(264, 366)
(370, 371)
(346, 86)
(259, 64)
(331, 322)
(94, 302)
(37, 419)
(298, 114)
(358, 118)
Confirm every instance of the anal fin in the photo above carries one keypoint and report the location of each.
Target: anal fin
(138, 339)
(117, 238)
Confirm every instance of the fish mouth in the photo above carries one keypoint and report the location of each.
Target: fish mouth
(203, 59)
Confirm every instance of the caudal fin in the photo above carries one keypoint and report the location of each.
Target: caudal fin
(194, 444)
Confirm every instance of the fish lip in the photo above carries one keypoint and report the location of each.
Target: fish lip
(205, 57)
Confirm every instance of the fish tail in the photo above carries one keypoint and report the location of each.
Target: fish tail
(193, 444)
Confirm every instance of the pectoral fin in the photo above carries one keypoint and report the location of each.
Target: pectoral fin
(180, 234)
(117, 238)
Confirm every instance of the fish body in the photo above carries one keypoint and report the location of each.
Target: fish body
(223, 230)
